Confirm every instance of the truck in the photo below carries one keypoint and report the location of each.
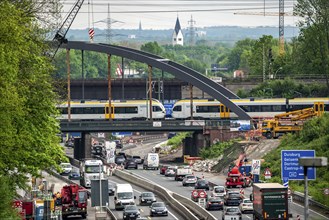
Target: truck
(74, 201)
(109, 151)
(290, 122)
(151, 160)
(270, 201)
(124, 195)
(181, 172)
(90, 169)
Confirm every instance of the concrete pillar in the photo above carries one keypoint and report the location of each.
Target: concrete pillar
(193, 145)
(82, 146)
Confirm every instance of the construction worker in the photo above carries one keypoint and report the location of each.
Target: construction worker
(58, 198)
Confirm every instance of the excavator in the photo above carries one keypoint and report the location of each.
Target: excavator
(290, 122)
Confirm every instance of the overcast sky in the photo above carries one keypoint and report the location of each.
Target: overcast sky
(162, 14)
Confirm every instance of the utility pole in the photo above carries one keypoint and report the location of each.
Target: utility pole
(108, 30)
(192, 31)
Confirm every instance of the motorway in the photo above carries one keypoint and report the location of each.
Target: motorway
(175, 186)
(144, 210)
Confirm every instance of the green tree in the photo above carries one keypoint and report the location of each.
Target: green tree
(28, 125)
(313, 47)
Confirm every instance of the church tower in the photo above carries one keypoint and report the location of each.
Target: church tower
(177, 37)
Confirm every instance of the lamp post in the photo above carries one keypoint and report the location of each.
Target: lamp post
(310, 162)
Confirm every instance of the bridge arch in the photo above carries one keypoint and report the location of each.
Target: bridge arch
(207, 85)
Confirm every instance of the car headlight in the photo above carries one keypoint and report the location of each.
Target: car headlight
(143, 200)
(153, 210)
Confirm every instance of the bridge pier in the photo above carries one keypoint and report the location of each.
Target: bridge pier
(82, 148)
(193, 145)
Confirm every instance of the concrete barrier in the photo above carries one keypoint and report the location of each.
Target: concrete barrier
(164, 193)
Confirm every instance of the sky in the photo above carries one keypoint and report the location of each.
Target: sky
(162, 14)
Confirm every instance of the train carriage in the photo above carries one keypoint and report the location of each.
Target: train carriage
(256, 108)
(120, 110)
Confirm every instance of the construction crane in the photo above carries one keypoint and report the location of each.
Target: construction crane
(281, 15)
(60, 36)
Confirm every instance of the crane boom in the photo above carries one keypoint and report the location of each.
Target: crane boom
(59, 37)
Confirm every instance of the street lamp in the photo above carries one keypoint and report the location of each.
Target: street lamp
(277, 72)
(310, 162)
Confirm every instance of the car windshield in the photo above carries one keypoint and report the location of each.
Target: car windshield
(148, 194)
(219, 189)
(214, 199)
(125, 195)
(66, 165)
(246, 201)
(158, 204)
(190, 177)
(93, 169)
(233, 209)
(131, 207)
(234, 195)
(136, 157)
(202, 182)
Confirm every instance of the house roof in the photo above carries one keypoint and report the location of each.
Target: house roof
(177, 26)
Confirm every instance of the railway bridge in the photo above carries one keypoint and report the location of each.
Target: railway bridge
(194, 78)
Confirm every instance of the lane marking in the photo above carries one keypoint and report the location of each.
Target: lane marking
(311, 211)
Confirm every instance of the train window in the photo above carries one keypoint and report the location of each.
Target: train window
(326, 108)
(278, 108)
(125, 110)
(246, 108)
(156, 109)
(266, 108)
(177, 108)
(63, 111)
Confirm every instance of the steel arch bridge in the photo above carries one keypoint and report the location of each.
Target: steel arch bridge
(184, 73)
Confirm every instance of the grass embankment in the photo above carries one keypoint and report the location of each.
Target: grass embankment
(176, 141)
(314, 136)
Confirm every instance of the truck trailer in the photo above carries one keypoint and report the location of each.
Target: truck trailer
(270, 201)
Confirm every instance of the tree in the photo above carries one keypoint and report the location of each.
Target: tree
(314, 36)
(28, 113)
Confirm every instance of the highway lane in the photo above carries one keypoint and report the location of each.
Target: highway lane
(144, 210)
(176, 186)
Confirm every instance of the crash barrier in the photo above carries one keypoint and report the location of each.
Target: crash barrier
(297, 196)
(153, 187)
(197, 209)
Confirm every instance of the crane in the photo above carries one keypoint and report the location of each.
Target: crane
(60, 36)
(281, 15)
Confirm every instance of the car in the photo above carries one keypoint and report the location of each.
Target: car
(232, 213)
(201, 184)
(131, 163)
(74, 175)
(130, 212)
(66, 168)
(189, 180)
(246, 206)
(69, 143)
(214, 203)
(119, 160)
(138, 159)
(111, 189)
(195, 194)
(170, 171)
(147, 198)
(163, 169)
(158, 208)
(218, 191)
(232, 198)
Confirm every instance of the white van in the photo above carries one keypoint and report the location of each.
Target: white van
(124, 195)
(151, 160)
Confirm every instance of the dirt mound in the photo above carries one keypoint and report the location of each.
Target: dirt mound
(252, 149)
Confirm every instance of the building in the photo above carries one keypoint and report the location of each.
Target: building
(177, 37)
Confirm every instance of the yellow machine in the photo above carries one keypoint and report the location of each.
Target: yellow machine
(290, 121)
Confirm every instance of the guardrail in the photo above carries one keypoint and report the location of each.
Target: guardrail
(179, 203)
(297, 196)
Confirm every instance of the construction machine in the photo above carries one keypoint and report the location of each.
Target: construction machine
(235, 178)
(290, 122)
(74, 201)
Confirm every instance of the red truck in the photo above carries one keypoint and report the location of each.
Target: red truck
(74, 201)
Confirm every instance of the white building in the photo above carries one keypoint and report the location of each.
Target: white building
(177, 37)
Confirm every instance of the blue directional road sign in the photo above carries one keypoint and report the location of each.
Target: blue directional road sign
(290, 168)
